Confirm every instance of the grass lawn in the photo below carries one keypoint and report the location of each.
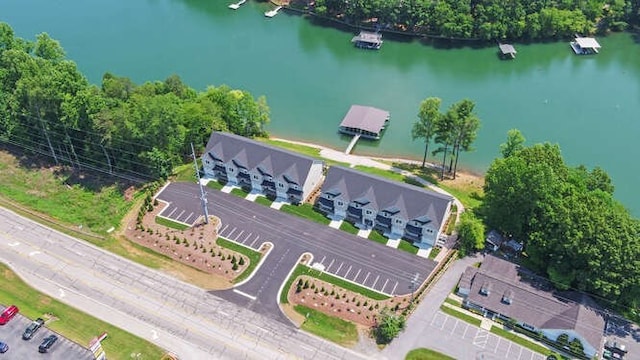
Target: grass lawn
(215, 185)
(301, 149)
(460, 315)
(185, 173)
(451, 225)
(254, 256)
(170, 223)
(348, 227)
(382, 173)
(521, 341)
(263, 201)
(377, 237)
(328, 327)
(451, 301)
(434, 252)
(306, 211)
(305, 270)
(239, 192)
(426, 354)
(408, 247)
(72, 323)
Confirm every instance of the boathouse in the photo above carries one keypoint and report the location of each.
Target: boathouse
(507, 51)
(365, 121)
(585, 45)
(368, 40)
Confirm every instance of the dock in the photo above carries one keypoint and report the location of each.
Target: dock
(352, 144)
(273, 12)
(507, 51)
(236, 6)
(368, 40)
(585, 45)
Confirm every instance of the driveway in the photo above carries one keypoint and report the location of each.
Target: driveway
(362, 261)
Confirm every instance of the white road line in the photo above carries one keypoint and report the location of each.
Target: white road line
(232, 231)
(222, 313)
(444, 322)
(394, 288)
(254, 241)
(248, 236)
(339, 267)
(366, 277)
(520, 355)
(172, 211)
(188, 217)
(224, 228)
(356, 277)
(321, 261)
(237, 237)
(244, 294)
(179, 216)
(331, 263)
(498, 343)
(385, 285)
(465, 331)
(375, 282)
(348, 271)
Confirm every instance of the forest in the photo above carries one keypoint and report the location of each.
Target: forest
(485, 20)
(138, 132)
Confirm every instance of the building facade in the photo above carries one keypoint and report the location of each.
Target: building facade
(254, 166)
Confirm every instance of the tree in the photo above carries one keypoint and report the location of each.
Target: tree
(424, 128)
(389, 326)
(465, 129)
(444, 136)
(515, 142)
(471, 232)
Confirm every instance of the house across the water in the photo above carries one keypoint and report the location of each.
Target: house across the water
(585, 45)
(368, 40)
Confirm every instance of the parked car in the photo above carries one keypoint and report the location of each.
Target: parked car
(8, 314)
(47, 343)
(32, 328)
(3, 347)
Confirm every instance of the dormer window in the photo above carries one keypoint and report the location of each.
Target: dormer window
(507, 298)
(485, 290)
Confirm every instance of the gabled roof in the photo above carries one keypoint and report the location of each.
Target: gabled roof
(587, 42)
(365, 118)
(533, 300)
(254, 155)
(410, 201)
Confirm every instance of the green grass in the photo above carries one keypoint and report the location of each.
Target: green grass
(408, 247)
(301, 149)
(426, 354)
(452, 302)
(72, 323)
(377, 237)
(348, 227)
(469, 197)
(254, 257)
(434, 252)
(382, 173)
(263, 201)
(328, 327)
(460, 315)
(451, 225)
(170, 223)
(215, 185)
(305, 211)
(185, 172)
(305, 270)
(239, 192)
(520, 340)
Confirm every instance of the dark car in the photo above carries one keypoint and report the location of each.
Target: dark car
(47, 343)
(32, 328)
(3, 347)
(8, 314)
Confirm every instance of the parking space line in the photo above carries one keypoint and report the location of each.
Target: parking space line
(231, 233)
(520, 354)
(331, 263)
(358, 274)
(465, 331)
(224, 228)
(508, 349)
(188, 217)
(444, 322)
(240, 234)
(385, 285)
(375, 282)
(348, 271)
(339, 267)
(172, 211)
(366, 277)
(454, 326)
(246, 237)
(321, 261)
(394, 288)
(179, 216)
(254, 241)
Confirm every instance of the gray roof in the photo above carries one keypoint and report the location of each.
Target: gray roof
(533, 300)
(494, 237)
(507, 49)
(366, 118)
(409, 200)
(251, 154)
(587, 42)
(367, 36)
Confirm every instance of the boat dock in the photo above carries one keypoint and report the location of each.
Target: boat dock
(368, 40)
(507, 51)
(585, 45)
(352, 144)
(273, 12)
(236, 6)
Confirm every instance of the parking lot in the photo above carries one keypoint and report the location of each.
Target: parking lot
(179, 214)
(63, 349)
(486, 342)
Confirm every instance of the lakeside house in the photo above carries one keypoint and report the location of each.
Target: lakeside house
(255, 166)
(398, 210)
(366, 121)
(503, 290)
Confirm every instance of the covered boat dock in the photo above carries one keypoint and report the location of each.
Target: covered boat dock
(585, 45)
(507, 51)
(364, 121)
(368, 40)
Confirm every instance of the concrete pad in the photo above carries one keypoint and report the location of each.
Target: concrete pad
(486, 324)
(277, 204)
(252, 196)
(204, 181)
(364, 233)
(335, 224)
(227, 189)
(393, 243)
(424, 253)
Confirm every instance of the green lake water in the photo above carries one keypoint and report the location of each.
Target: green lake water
(311, 74)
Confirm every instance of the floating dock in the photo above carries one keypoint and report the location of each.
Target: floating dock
(236, 6)
(273, 12)
(368, 40)
(585, 45)
(507, 51)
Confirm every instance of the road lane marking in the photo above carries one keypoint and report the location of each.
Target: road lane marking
(394, 288)
(322, 261)
(231, 233)
(348, 271)
(331, 263)
(14, 244)
(33, 253)
(358, 274)
(455, 324)
(237, 237)
(188, 217)
(224, 228)
(339, 267)
(375, 282)
(254, 241)
(244, 294)
(366, 277)
(172, 211)
(247, 238)
(179, 216)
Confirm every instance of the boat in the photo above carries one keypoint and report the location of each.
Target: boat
(273, 12)
(236, 6)
(368, 40)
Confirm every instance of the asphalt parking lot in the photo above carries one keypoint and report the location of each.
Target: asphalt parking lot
(487, 343)
(626, 333)
(19, 349)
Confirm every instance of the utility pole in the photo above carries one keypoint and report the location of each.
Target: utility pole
(203, 196)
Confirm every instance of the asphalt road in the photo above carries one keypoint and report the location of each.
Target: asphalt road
(347, 256)
(177, 316)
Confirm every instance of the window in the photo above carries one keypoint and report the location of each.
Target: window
(340, 203)
(280, 185)
(369, 212)
(398, 221)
